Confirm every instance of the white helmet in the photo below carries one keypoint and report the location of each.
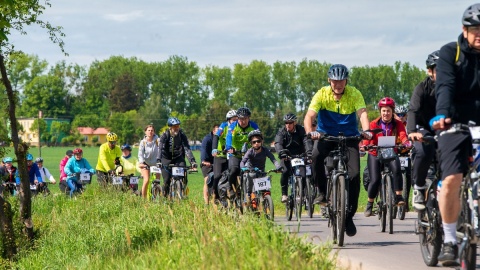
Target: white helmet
(231, 114)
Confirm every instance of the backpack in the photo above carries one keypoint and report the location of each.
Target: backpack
(459, 57)
(156, 142)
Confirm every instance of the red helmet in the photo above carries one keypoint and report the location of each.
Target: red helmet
(386, 102)
(77, 151)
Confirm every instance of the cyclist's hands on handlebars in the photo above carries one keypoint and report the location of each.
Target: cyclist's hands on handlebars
(315, 135)
(440, 122)
(416, 136)
(367, 135)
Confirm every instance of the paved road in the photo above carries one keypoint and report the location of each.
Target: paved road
(370, 249)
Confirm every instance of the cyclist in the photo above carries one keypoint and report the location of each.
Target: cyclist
(206, 158)
(336, 107)
(75, 165)
(108, 155)
(293, 138)
(33, 172)
(458, 101)
(422, 109)
(401, 114)
(8, 172)
(129, 162)
(148, 155)
(63, 162)
(390, 127)
(174, 147)
(220, 163)
(44, 171)
(255, 158)
(238, 135)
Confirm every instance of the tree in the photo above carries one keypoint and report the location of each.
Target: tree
(14, 16)
(124, 94)
(123, 125)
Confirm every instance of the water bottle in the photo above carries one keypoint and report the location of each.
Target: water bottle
(439, 186)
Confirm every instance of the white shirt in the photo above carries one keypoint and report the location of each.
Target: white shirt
(45, 173)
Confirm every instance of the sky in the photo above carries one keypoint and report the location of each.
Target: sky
(223, 33)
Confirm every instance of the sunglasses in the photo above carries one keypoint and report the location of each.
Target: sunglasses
(400, 114)
(256, 141)
(289, 123)
(113, 142)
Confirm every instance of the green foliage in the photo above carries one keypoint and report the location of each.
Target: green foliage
(123, 125)
(124, 95)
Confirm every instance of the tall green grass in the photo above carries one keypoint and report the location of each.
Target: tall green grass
(107, 229)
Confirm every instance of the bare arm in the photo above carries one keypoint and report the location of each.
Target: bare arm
(309, 118)
(362, 114)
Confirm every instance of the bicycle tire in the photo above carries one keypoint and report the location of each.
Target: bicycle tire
(289, 203)
(332, 218)
(156, 192)
(268, 208)
(402, 209)
(298, 198)
(341, 209)
(469, 256)
(179, 190)
(390, 203)
(310, 196)
(382, 211)
(431, 243)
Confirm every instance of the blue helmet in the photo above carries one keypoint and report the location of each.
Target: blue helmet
(29, 157)
(7, 159)
(126, 147)
(172, 121)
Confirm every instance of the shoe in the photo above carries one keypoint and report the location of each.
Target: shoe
(320, 199)
(399, 200)
(350, 228)
(449, 254)
(284, 198)
(418, 200)
(368, 209)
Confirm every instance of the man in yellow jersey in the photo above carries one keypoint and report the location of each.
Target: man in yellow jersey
(108, 155)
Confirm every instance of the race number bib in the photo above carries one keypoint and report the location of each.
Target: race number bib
(133, 180)
(33, 187)
(117, 180)
(261, 183)
(177, 171)
(475, 132)
(404, 162)
(85, 177)
(155, 169)
(308, 170)
(297, 162)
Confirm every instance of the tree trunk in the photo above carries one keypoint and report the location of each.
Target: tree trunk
(21, 148)
(8, 235)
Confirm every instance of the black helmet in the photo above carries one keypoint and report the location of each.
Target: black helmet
(471, 16)
(173, 121)
(244, 112)
(338, 72)
(126, 147)
(289, 117)
(255, 132)
(432, 59)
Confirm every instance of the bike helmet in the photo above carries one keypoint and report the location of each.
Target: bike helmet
(38, 159)
(173, 121)
(126, 147)
(289, 117)
(471, 16)
(338, 72)
(29, 157)
(255, 132)
(78, 151)
(432, 59)
(231, 114)
(111, 137)
(401, 109)
(386, 102)
(244, 112)
(7, 159)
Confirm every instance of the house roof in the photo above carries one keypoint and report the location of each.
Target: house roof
(91, 131)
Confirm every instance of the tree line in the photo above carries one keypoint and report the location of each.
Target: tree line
(126, 94)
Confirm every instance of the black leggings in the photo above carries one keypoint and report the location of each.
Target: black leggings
(375, 168)
(423, 157)
(220, 164)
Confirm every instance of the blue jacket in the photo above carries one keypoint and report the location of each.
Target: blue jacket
(206, 150)
(32, 172)
(74, 166)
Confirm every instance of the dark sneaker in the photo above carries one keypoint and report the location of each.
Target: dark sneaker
(418, 200)
(449, 254)
(320, 199)
(350, 228)
(399, 200)
(368, 209)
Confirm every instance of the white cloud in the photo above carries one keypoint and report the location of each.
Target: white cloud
(124, 17)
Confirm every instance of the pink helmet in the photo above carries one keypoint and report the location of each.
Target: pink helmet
(386, 102)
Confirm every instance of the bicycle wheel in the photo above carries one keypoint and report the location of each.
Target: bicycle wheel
(156, 192)
(178, 190)
(341, 209)
(389, 202)
(310, 196)
(289, 203)
(268, 207)
(468, 257)
(430, 237)
(298, 198)
(402, 209)
(382, 211)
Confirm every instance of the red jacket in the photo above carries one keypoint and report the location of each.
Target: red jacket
(398, 131)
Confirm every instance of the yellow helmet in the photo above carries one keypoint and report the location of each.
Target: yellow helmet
(112, 137)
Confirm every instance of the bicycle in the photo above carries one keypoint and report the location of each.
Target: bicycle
(178, 182)
(299, 191)
(338, 185)
(405, 163)
(260, 198)
(385, 199)
(157, 189)
(124, 182)
(9, 188)
(40, 188)
(82, 179)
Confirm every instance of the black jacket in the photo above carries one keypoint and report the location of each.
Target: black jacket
(458, 86)
(295, 142)
(422, 106)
